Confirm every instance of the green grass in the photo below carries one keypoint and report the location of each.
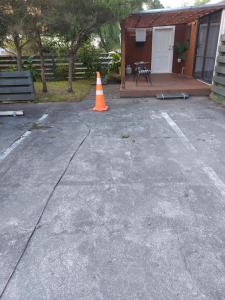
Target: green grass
(57, 91)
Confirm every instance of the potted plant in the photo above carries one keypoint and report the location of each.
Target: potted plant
(181, 49)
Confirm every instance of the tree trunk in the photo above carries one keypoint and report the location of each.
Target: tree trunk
(43, 77)
(19, 60)
(70, 71)
(42, 65)
(18, 53)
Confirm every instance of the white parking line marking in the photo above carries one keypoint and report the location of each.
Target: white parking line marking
(178, 131)
(6, 153)
(207, 170)
(42, 118)
(220, 125)
(215, 178)
(14, 145)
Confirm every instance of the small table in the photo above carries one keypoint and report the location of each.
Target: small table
(142, 63)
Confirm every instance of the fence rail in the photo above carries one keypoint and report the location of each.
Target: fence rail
(16, 86)
(52, 63)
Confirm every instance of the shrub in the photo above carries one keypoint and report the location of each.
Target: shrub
(90, 57)
(28, 66)
(61, 72)
(116, 63)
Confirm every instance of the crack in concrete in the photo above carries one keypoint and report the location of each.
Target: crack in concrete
(43, 210)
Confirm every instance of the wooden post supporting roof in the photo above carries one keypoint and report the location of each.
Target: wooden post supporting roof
(123, 56)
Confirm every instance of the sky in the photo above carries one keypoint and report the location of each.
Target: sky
(179, 3)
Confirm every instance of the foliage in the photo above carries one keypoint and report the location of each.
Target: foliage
(116, 63)
(61, 72)
(38, 12)
(181, 49)
(11, 69)
(200, 2)
(121, 9)
(90, 57)
(3, 28)
(74, 21)
(15, 43)
(54, 45)
(109, 35)
(29, 66)
(153, 4)
(16, 21)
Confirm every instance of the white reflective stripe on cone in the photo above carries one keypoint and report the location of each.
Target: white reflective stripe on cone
(99, 92)
(99, 81)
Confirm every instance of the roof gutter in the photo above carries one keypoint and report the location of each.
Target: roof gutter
(181, 9)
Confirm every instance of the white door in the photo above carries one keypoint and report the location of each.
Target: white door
(162, 49)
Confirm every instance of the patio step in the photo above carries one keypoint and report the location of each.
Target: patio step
(138, 93)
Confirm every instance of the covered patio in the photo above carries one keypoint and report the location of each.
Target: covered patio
(167, 83)
(160, 31)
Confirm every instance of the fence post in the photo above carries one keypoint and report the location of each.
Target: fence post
(53, 66)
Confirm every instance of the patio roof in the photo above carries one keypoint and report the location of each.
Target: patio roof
(165, 17)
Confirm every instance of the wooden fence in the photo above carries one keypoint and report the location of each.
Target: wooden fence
(218, 87)
(9, 63)
(16, 86)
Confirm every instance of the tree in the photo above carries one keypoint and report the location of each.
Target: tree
(26, 22)
(109, 35)
(14, 12)
(74, 21)
(153, 4)
(38, 11)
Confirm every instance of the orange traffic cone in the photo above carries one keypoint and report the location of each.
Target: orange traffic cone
(100, 100)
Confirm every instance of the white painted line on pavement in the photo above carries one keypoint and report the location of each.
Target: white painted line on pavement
(9, 150)
(14, 145)
(207, 170)
(219, 125)
(42, 118)
(215, 178)
(178, 131)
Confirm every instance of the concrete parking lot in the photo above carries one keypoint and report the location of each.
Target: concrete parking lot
(123, 205)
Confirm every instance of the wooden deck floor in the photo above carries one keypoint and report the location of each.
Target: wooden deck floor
(168, 83)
